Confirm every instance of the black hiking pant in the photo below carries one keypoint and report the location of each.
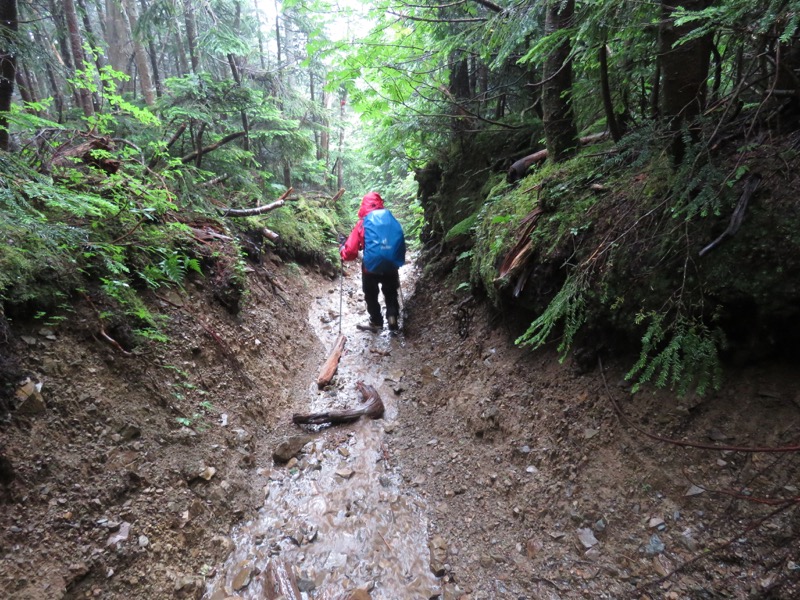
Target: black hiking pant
(389, 283)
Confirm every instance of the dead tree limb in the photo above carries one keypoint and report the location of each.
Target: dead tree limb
(332, 364)
(279, 582)
(258, 210)
(338, 195)
(178, 133)
(518, 170)
(738, 213)
(214, 181)
(211, 147)
(373, 408)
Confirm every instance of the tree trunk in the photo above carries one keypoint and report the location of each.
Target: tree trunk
(60, 29)
(260, 37)
(76, 42)
(558, 119)
(684, 71)
(8, 65)
(139, 54)
(153, 54)
(191, 34)
(605, 87)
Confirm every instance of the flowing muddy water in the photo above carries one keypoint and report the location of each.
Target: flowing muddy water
(341, 517)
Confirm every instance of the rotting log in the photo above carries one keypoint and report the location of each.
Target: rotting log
(279, 582)
(332, 364)
(372, 408)
(519, 169)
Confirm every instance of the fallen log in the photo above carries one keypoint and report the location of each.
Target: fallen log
(519, 169)
(279, 582)
(372, 407)
(332, 364)
(258, 210)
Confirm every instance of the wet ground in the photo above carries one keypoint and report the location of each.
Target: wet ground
(340, 513)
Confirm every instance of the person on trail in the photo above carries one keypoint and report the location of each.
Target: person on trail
(380, 236)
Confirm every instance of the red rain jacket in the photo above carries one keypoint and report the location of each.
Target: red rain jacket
(349, 250)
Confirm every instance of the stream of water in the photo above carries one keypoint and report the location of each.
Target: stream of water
(342, 517)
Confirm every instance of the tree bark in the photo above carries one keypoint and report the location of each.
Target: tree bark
(684, 71)
(605, 87)
(331, 365)
(8, 66)
(558, 119)
(191, 34)
(139, 54)
(372, 407)
(76, 42)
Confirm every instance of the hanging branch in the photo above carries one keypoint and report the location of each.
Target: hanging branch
(206, 149)
(175, 136)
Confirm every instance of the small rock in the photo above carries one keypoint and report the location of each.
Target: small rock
(438, 553)
(694, 490)
(121, 535)
(128, 431)
(654, 546)
(244, 573)
(207, 473)
(590, 433)
(144, 541)
(656, 522)
(344, 473)
(586, 537)
(290, 447)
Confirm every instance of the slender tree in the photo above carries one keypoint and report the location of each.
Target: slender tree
(558, 116)
(8, 64)
(76, 43)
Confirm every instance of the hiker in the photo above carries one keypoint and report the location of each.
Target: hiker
(381, 238)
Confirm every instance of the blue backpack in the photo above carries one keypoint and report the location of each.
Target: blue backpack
(384, 242)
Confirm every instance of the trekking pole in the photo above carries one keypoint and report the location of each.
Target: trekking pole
(341, 291)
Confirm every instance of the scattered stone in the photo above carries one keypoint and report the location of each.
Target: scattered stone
(718, 436)
(438, 551)
(345, 473)
(654, 546)
(586, 537)
(144, 541)
(121, 535)
(657, 523)
(590, 433)
(290, 447)
(244, 573)
(207, 473)
(30, 397)
(694, 490)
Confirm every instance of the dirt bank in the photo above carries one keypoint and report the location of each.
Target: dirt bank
(133, 476)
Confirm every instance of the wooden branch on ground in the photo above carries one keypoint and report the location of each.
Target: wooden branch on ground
(738, 213)
(332, 364)
(278, 581)
(373, 408)
(258, 210)
(211, 147)
(518, 255)
(518, 170)
(270, 235)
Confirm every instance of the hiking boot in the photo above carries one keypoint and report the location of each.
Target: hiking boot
(392, 323)
(371, 326)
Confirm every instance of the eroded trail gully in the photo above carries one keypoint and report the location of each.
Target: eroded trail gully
(338, 513)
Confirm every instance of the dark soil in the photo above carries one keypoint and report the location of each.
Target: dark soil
(129, 479)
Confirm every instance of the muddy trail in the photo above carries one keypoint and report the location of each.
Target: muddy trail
(337, 511)
(495, 473)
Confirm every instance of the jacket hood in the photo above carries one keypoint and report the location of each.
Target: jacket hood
(372, 201)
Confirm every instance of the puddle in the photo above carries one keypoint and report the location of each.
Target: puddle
(342, 517)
